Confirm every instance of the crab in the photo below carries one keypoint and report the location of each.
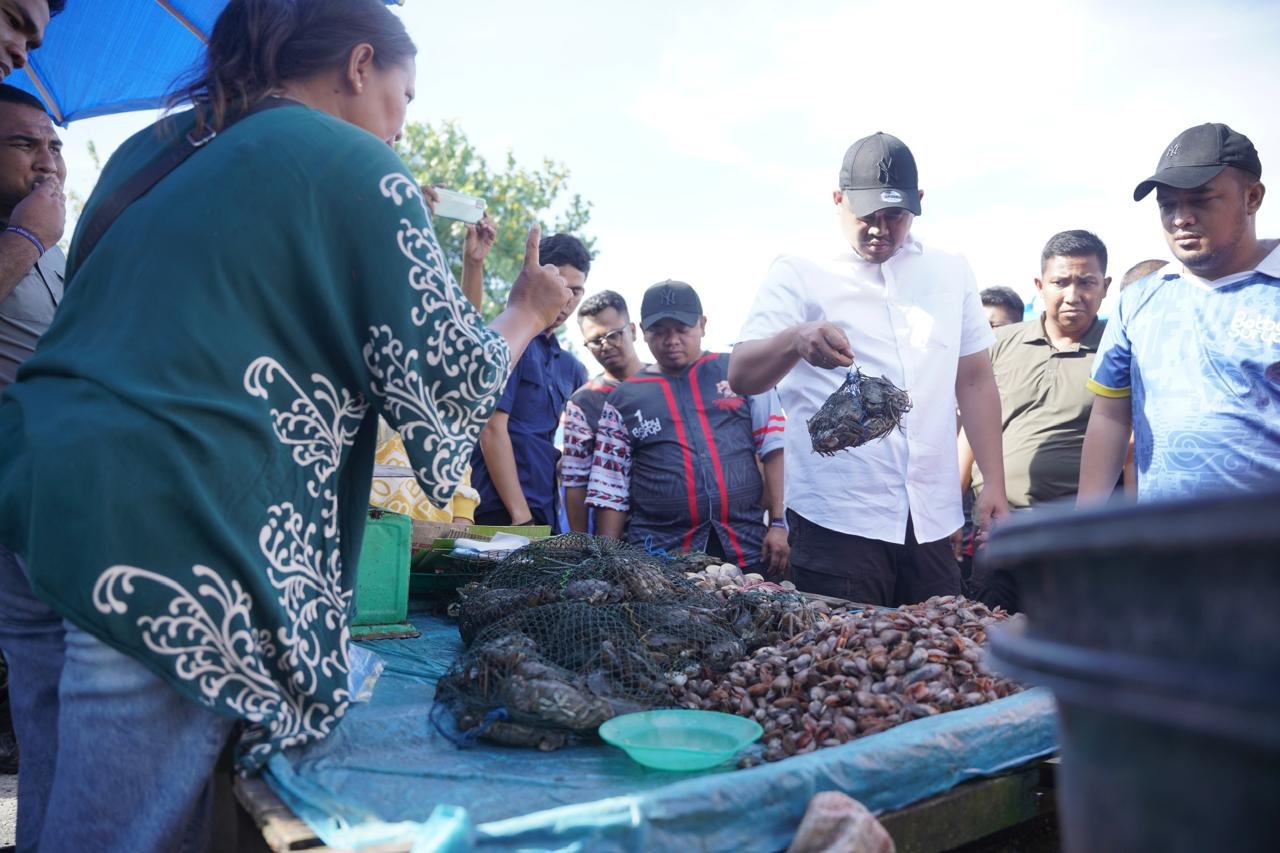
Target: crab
(862, 409)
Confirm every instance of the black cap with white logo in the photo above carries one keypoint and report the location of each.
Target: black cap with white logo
(670, 300)
(879, 172)
(1199, 155)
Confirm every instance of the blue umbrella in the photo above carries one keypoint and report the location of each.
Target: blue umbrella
(100, 58)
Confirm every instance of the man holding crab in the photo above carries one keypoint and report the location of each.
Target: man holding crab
(871, 523)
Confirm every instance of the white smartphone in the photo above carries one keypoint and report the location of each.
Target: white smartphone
(460, 206)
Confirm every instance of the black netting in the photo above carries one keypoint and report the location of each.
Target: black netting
(762, 618)
(862, 409)
(597, 570)
(568, 632)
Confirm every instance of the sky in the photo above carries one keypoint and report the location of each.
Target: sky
(708, 135)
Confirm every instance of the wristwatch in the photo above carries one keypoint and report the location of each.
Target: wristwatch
(780, 522)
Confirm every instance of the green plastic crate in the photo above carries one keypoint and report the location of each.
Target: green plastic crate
(435, 572)
(382, 577)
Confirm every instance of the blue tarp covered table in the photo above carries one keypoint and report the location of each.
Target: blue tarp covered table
(386, 768)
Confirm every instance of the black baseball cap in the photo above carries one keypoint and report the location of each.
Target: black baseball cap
(1198, 155)
(879, 172)
(670, 300)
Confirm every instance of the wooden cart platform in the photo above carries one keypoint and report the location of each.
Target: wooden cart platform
(1015, 810)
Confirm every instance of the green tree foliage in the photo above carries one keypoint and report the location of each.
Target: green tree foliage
(517, 197)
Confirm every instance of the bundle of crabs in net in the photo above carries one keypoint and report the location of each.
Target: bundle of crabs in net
(864, 408)
(568, 632)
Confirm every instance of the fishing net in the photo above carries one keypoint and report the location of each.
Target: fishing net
(565, 633)
(764, 617)
(862, 409)
(578, 568)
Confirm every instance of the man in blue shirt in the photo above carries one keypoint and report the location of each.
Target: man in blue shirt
(1191, 359)
(514, 466)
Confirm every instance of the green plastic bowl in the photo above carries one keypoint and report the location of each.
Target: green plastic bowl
(680, 739)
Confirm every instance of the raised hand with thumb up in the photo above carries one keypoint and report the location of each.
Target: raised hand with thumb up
(539, 288)
(537, 297)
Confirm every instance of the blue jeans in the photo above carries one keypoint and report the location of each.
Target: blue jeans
(32, 638)
(111, 757)
(135, 759)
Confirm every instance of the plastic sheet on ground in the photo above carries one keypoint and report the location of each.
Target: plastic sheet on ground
(386, 768)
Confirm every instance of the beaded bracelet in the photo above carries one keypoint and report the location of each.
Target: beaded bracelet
(22, 232)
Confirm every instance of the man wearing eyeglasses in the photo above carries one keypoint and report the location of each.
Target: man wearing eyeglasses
(872, 523)
(610, 336)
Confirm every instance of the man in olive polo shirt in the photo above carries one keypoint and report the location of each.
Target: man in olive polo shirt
(1042, 368)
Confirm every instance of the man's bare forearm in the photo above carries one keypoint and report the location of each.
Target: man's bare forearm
(1106, 442)
(610, 522)
(17, 256)
(773, 484)
(757, 366)
(575, 507)
(500, 459)
(965, 452)
(473, 283)
(979, 402)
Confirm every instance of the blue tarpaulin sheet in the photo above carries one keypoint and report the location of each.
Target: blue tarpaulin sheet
(384, 771)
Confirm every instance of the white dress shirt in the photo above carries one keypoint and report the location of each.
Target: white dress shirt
(910, 320)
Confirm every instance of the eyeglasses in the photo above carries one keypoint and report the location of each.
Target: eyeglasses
(613, 339)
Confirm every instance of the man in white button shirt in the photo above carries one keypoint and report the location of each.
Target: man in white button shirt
(872, 523)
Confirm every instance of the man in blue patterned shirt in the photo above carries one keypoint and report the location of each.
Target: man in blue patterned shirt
(1192, 358)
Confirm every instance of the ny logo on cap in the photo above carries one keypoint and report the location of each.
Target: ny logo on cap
(668, 297)
(1174, 150)
(886, 169)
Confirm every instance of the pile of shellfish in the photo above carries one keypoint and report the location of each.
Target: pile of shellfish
(858, 673)
(728, 578)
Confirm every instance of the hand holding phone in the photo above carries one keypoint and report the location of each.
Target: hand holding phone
(455, 205)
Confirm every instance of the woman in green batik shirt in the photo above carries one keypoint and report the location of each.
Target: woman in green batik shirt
(188, 454)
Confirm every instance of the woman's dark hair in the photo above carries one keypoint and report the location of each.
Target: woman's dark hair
(258, 44)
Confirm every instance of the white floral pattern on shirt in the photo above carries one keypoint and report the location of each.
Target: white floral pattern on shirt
(290, 683)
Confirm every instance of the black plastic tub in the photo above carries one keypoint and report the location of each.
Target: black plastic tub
(1158, 629)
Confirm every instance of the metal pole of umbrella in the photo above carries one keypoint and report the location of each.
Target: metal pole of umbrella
(182, 19)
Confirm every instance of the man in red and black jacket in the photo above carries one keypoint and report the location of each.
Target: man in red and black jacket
(687, 462)
(610, 336)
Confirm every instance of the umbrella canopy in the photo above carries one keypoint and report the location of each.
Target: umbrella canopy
(100, 58)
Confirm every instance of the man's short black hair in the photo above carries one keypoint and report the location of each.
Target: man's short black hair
(1004, 298)
(1074, 244)
(56, 6)
(561, 250)
(14, 95)
(603, 301)
(1141, 269)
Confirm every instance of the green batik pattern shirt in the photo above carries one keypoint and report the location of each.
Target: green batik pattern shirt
(189, 451)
